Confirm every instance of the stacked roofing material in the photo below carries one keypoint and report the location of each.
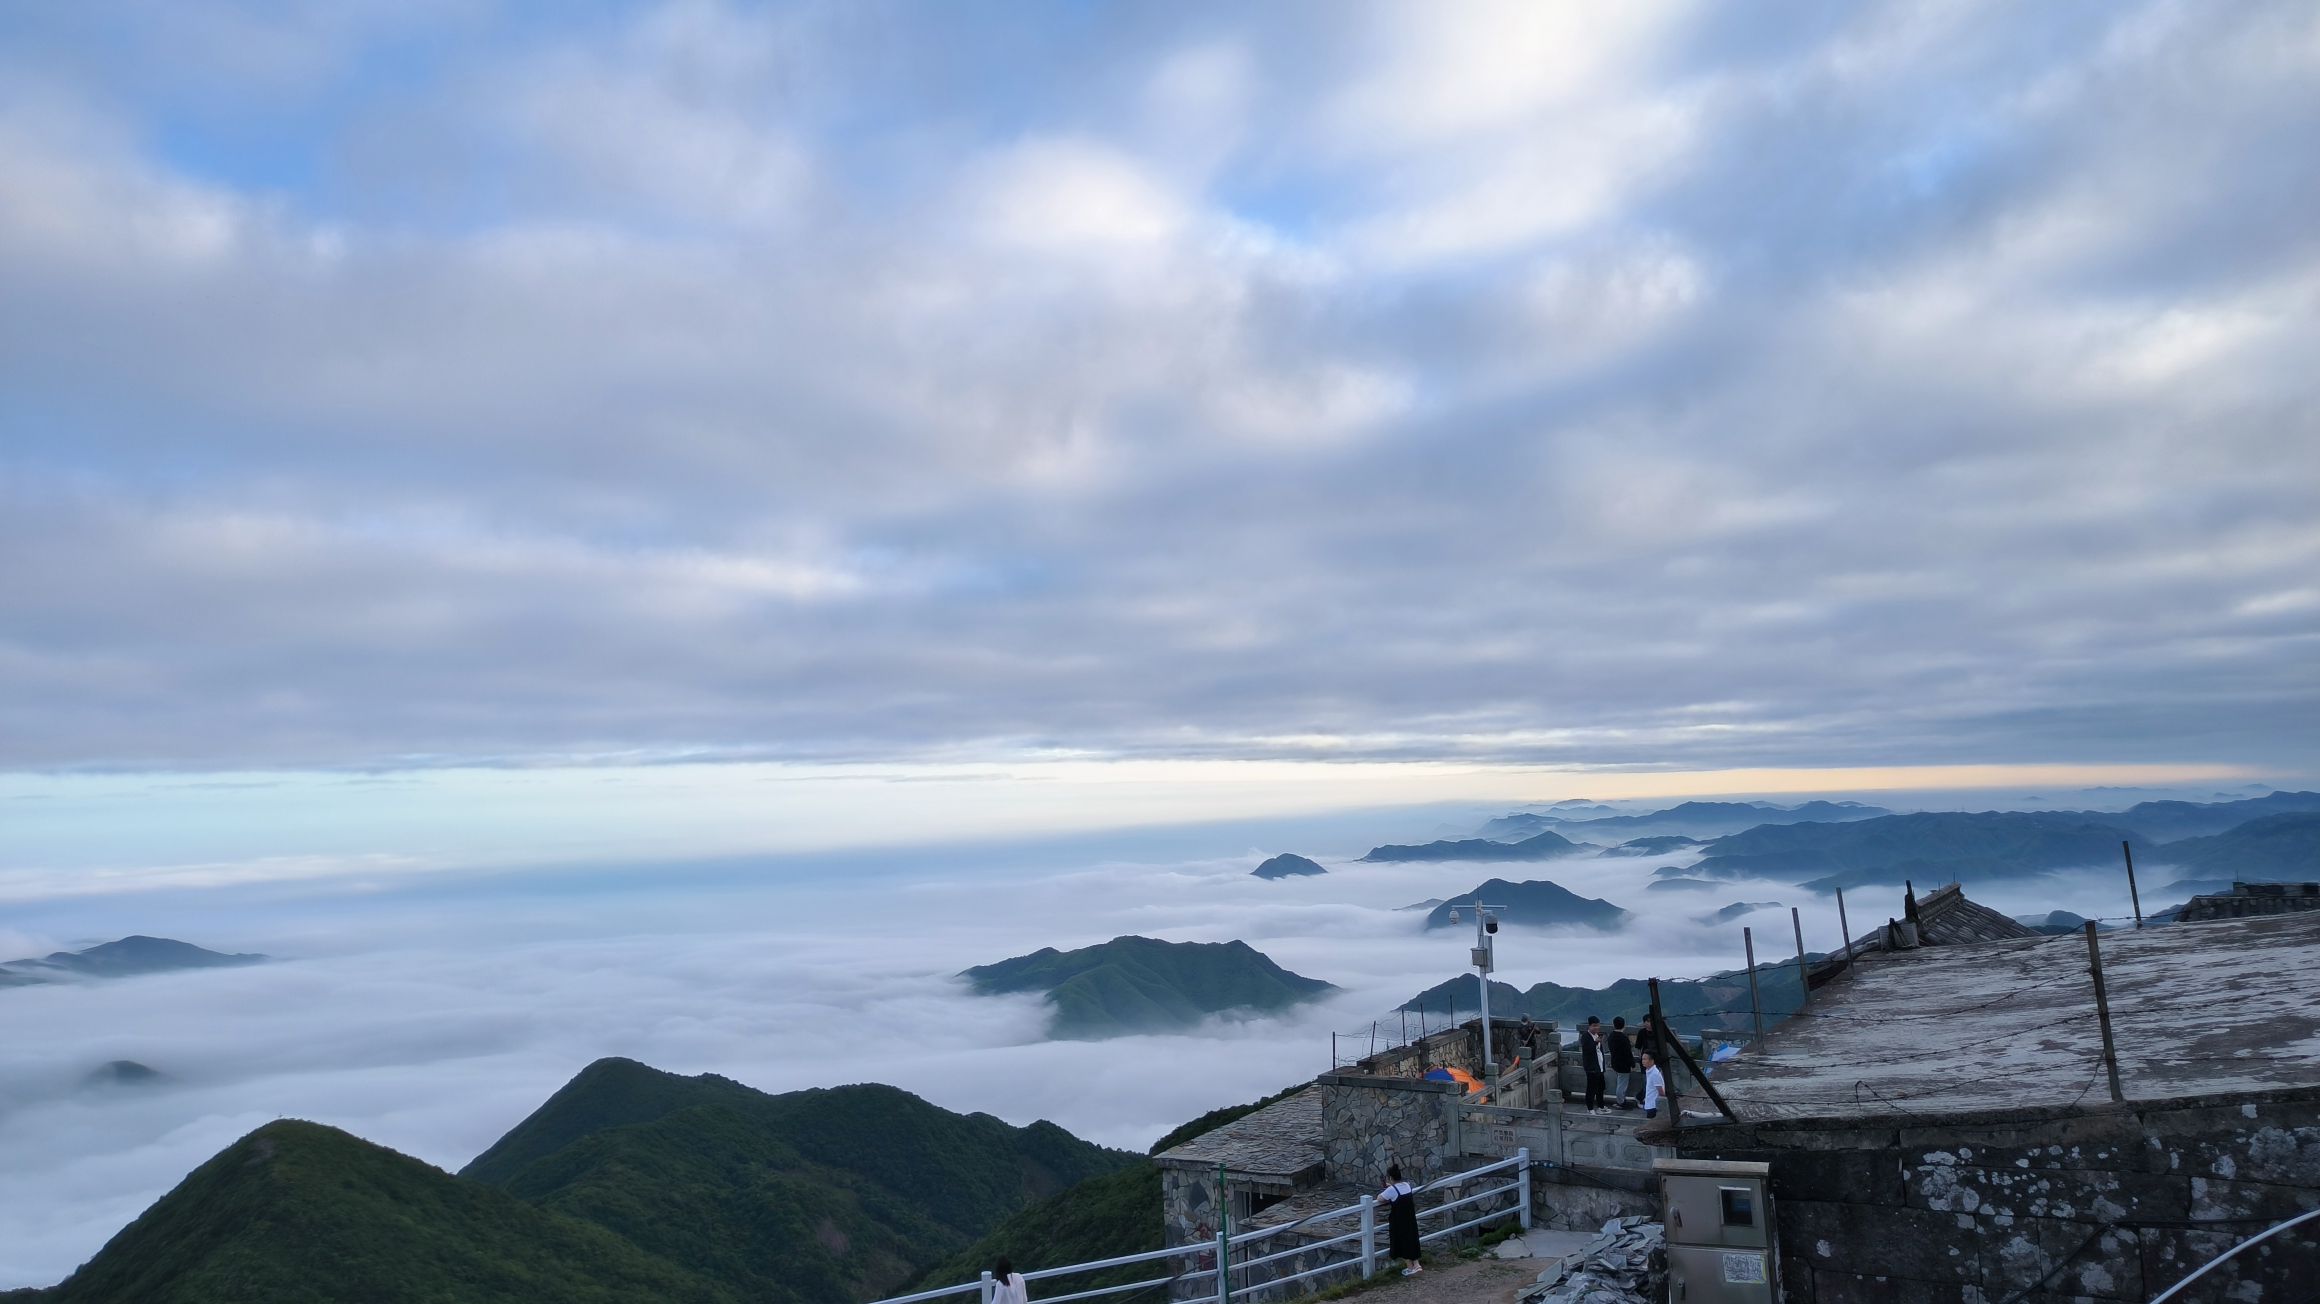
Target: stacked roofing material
(1624, 1265)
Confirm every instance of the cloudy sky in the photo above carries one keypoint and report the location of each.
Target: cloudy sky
(452, 382)
(798, 480)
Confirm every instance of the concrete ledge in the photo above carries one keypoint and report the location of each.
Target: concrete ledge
(1376, 1082)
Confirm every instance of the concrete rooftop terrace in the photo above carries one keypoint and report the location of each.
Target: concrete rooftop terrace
(2199, 1009)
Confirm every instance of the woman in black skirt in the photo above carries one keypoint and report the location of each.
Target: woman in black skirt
(1401, 1201)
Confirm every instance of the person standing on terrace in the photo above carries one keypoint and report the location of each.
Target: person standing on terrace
(1622, 1063)
(1401, 1202)
(1591, 1063)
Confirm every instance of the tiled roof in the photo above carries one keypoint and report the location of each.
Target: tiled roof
(1946, 918)
(1281, 1140)
(2249, 899)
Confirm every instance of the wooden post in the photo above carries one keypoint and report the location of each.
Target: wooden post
(1845, 926)
(1661, 1035)
(2102, 1012)
(1669, 1040)
(1755, 998)
(2132, 894)
(1803, 979)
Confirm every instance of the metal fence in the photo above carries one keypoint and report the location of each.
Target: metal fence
(1220, 1274)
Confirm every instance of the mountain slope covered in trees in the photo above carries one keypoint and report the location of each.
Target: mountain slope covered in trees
(1140, 984)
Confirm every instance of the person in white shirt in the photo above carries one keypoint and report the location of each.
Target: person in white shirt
(1007, 1285)
(1654, 1085)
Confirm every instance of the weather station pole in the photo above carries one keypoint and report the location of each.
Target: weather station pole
(1485, 928)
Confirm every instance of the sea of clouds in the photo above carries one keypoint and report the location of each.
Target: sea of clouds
(431, 1019)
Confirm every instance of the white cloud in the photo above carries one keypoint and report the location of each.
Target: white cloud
(434, 1020)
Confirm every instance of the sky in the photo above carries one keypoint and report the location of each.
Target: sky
(460, 383)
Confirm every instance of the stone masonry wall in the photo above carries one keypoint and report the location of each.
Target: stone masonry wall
(2114, 1203)
(1187, 1204)
(1368, 1123)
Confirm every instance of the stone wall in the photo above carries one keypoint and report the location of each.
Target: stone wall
(2106, 1203)
(1584, 1205)
(1187, 1204)
(1369, 1122)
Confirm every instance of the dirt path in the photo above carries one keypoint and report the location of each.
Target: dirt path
(1483, 1281)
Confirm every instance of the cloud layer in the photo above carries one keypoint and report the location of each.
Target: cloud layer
(432, 1017)
(465, 381)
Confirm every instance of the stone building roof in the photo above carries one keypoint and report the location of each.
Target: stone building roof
(1281, 1140)
(2198, 1009)
(2249, 899)
(1946, 918)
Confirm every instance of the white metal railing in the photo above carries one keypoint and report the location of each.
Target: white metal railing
(1221, 1273)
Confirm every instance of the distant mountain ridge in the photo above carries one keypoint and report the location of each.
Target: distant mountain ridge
(1543, 846)
(2284, 846)
(1141, 984)
(1943, 846)
(1538, 903)
(1719, 1002)
(126, 958)
(2169, 821)
(1286, 865)
(1696, 819)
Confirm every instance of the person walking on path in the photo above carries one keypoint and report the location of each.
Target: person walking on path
(1654, 1085)
(1401, 1202)
(1591, 1062)
(1622, 1063)
(1007, 1285)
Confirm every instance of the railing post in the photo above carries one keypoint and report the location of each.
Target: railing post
(2102, 1012)
(1368, 1237)
(1755, 1001)
(1522, 1159)
(987, 1286)
(1803, 978)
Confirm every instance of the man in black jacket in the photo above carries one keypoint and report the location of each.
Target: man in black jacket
(1591, 1063)
(1647, 1040)
(1622, 1062)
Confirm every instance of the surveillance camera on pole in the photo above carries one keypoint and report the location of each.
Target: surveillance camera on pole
(1484, 960)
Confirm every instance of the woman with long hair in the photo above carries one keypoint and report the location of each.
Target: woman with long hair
(1007, 1284)
(1401, 1202)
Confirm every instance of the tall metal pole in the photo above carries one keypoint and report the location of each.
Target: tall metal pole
(1755, 998)
(2102, 1012)
(1483, 955)
(1803, 981)
(2132, 894)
